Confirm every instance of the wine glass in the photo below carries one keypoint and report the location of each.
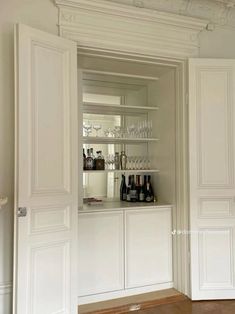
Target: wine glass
(97, 127)
(87, 126)
(110, 161)
(117, 131)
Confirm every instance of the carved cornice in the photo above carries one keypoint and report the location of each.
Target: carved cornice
(107, 25)
(219, 12)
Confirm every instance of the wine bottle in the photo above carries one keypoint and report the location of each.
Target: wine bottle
(137, 185)
(128, 195)
(141, 194)
(123, 189)
(149, 197)
(84, 159)
(133, 192)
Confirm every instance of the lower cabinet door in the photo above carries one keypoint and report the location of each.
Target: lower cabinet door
(148, 247)
(100, 252)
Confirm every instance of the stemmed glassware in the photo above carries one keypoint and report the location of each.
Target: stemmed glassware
(87, 126)
(138, 163)
(97, 127)
(110, 162)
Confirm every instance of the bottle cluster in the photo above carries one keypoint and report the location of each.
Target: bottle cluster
(136, 190)
(91, 162)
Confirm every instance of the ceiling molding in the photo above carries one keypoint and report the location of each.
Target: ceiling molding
(218, 12)
(108, 25)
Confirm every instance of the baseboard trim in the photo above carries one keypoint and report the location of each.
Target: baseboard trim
(99, 297)
(122, 309)
(5, 288)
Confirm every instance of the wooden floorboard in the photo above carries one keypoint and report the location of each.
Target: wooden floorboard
(193, 307)
(142, 304)
(175, 304)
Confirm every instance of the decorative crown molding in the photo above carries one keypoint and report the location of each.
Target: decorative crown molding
(219, 12)
(108, 25)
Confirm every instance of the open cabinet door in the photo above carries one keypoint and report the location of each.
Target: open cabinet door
(46, 200)
(212, 186)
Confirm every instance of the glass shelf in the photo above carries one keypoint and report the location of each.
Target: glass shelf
(122, 171)
(114, 140)
(90, 107)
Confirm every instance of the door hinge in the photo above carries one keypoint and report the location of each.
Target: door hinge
(22, 212)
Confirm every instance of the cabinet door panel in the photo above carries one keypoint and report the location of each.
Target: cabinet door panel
(148, 247)
(212, 188)
(46, 173)
(100, 252)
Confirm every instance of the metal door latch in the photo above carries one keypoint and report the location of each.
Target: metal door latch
(22, 212)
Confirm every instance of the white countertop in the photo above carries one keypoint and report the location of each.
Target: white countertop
(118, 205)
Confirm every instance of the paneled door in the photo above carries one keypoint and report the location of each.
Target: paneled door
(46, 199)
(212, 186)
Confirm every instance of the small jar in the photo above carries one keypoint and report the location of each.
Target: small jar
(123, 160)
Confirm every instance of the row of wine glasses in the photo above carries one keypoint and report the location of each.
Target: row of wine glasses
(87, 126)
(142, 129)
(133, 162)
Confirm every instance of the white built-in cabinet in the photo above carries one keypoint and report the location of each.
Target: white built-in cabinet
(100, 252)
(148, 247)
(121, 250)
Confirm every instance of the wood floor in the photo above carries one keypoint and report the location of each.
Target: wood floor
(168, 301)
(196, 307)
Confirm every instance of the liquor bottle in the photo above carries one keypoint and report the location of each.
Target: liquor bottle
(123, 189)
(141, 194)
(84, 159)
(116, 161)
(137, 185)
(99, 161)
(149, 197)
(93, 158)
(123, 160)
(89, 161)
(128, 195)
(133, 192)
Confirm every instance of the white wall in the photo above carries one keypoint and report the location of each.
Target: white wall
(219, 43)
(43, 14)
(40, 14)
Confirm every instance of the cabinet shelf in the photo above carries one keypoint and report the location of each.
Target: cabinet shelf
(90, 107)
(114, 140)
(122, 171)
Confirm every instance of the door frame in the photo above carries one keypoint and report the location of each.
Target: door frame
(180, 217)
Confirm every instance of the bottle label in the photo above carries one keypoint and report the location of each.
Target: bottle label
(99, 164)
(89, 163)
(124, 197)
(133, 195)
(141, 197)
